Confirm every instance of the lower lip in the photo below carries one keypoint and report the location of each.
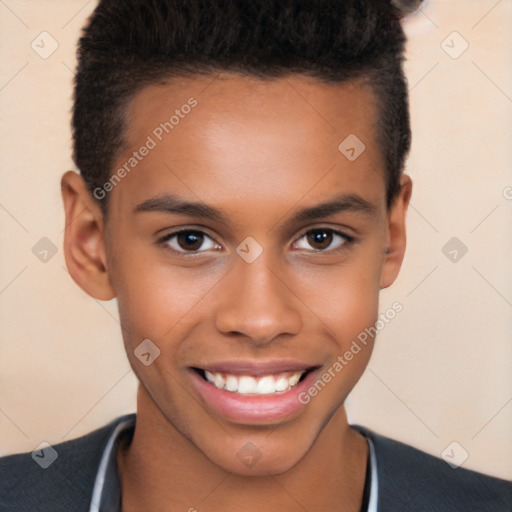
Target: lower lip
(250, 409)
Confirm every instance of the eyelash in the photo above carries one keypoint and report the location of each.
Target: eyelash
(347, 240)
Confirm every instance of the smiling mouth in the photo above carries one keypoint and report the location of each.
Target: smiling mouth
(270, 384)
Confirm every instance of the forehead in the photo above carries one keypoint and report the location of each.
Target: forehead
(228, 136)
(228, 99)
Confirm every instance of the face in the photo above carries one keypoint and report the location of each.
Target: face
(250, 250)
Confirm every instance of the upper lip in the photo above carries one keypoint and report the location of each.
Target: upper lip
(257, 367)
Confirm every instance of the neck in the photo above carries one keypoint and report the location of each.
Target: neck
(162, 470)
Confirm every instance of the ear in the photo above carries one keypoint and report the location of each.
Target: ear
(84, 246)
(396, 237)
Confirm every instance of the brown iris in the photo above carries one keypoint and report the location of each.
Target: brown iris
(320, 236)
(190, 240)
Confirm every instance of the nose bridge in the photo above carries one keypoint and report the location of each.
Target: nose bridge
(257, 303)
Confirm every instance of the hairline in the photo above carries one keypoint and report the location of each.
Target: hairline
(176, 75)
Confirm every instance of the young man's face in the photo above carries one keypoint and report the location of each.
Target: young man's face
(259, 297)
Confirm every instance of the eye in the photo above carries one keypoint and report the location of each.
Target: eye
(189, 240)
(325, 238)
(195, 241)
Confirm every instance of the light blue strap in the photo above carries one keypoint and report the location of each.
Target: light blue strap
(374, 485)
(99, 483)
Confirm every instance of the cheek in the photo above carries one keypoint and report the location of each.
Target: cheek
(156, 298)
(346, 297)
(160, 301)
(357, 306)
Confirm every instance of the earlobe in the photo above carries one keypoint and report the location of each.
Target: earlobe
(395, 250)
(84, 246)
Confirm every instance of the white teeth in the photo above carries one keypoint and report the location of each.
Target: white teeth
(249, 385)
(281, 384)
(231, 383)
(220, 381)
(266, 385)
(294, 379)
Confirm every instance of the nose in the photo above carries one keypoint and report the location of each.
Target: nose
(257, 303)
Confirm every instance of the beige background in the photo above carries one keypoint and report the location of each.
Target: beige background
(442, 370)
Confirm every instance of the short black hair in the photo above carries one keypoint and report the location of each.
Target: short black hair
(129, 44)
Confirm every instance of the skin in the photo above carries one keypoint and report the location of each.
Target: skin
(258, 151)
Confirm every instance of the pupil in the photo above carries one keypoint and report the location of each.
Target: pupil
(321, 237)
(189, 240)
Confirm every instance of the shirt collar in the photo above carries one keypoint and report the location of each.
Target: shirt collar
(374, 479)
(106, 495)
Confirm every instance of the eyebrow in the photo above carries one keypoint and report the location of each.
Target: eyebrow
(175, 205)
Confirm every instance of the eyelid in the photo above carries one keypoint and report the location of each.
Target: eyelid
(349, 239)
(168, 232)
(164, 239)
(203, 230)
(338, 230)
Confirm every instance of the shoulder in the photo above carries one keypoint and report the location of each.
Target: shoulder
(56, 479)
(409, 478)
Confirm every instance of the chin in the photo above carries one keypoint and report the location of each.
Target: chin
(259, 457)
